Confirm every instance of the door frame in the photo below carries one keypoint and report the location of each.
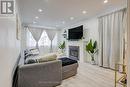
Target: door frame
(128, 46)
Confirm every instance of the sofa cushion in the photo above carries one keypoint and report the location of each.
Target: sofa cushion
(48, 57)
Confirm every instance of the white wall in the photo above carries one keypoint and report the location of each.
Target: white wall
(9, 50)
(23, 44)
(91, 26)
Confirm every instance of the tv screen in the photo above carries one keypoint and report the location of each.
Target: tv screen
(75, 33)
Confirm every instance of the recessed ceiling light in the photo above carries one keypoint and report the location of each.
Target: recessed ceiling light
(71, 18)
(105, 1)
(40, 10)
(84, 12)
(63, 22)
(34, 22)
(36, 17)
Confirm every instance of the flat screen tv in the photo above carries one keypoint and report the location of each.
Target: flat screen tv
(75, 33)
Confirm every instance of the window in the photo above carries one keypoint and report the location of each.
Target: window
(44, 40)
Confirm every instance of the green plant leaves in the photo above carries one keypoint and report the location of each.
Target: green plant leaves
(95, 45)
(62, 46)
(91, 47)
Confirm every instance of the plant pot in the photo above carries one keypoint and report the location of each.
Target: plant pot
(93, 63)
(61, 50)
(92, 60)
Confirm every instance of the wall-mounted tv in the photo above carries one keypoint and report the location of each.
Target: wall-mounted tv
(75, 33)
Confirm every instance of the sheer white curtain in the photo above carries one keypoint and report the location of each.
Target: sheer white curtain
(36, 33)
(111, 34)
(51, 34)
(44, 43)
(30, 41)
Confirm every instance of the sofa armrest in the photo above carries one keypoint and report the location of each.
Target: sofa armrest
(46, 74)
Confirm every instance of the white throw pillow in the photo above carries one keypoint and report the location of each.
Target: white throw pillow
(48, 57)
(35, 51)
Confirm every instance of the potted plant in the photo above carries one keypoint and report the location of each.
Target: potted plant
(62, 46)
(91, 48)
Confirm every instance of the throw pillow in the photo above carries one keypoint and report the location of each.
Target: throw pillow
(31, 61)
(48, 57)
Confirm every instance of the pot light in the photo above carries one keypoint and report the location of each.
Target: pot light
(71, 18)
(40, 10)
(36, 17)
(63, 22)
(105, 1)
(84, 12)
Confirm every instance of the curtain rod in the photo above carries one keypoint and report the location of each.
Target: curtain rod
(113, 12)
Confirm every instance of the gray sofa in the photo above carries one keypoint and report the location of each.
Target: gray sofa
(48, 74)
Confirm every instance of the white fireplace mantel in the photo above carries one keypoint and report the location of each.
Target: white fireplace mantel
(81, 44)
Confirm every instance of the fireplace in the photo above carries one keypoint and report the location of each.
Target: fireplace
(74, 52)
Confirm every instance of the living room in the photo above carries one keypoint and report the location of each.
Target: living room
(59, 43)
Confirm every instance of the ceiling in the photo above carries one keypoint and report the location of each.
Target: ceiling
(57, 13)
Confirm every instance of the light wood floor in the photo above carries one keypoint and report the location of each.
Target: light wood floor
(90, 76)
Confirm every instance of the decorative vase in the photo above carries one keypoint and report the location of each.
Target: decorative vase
(62, 50)
(93, 63)
(92, 60)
